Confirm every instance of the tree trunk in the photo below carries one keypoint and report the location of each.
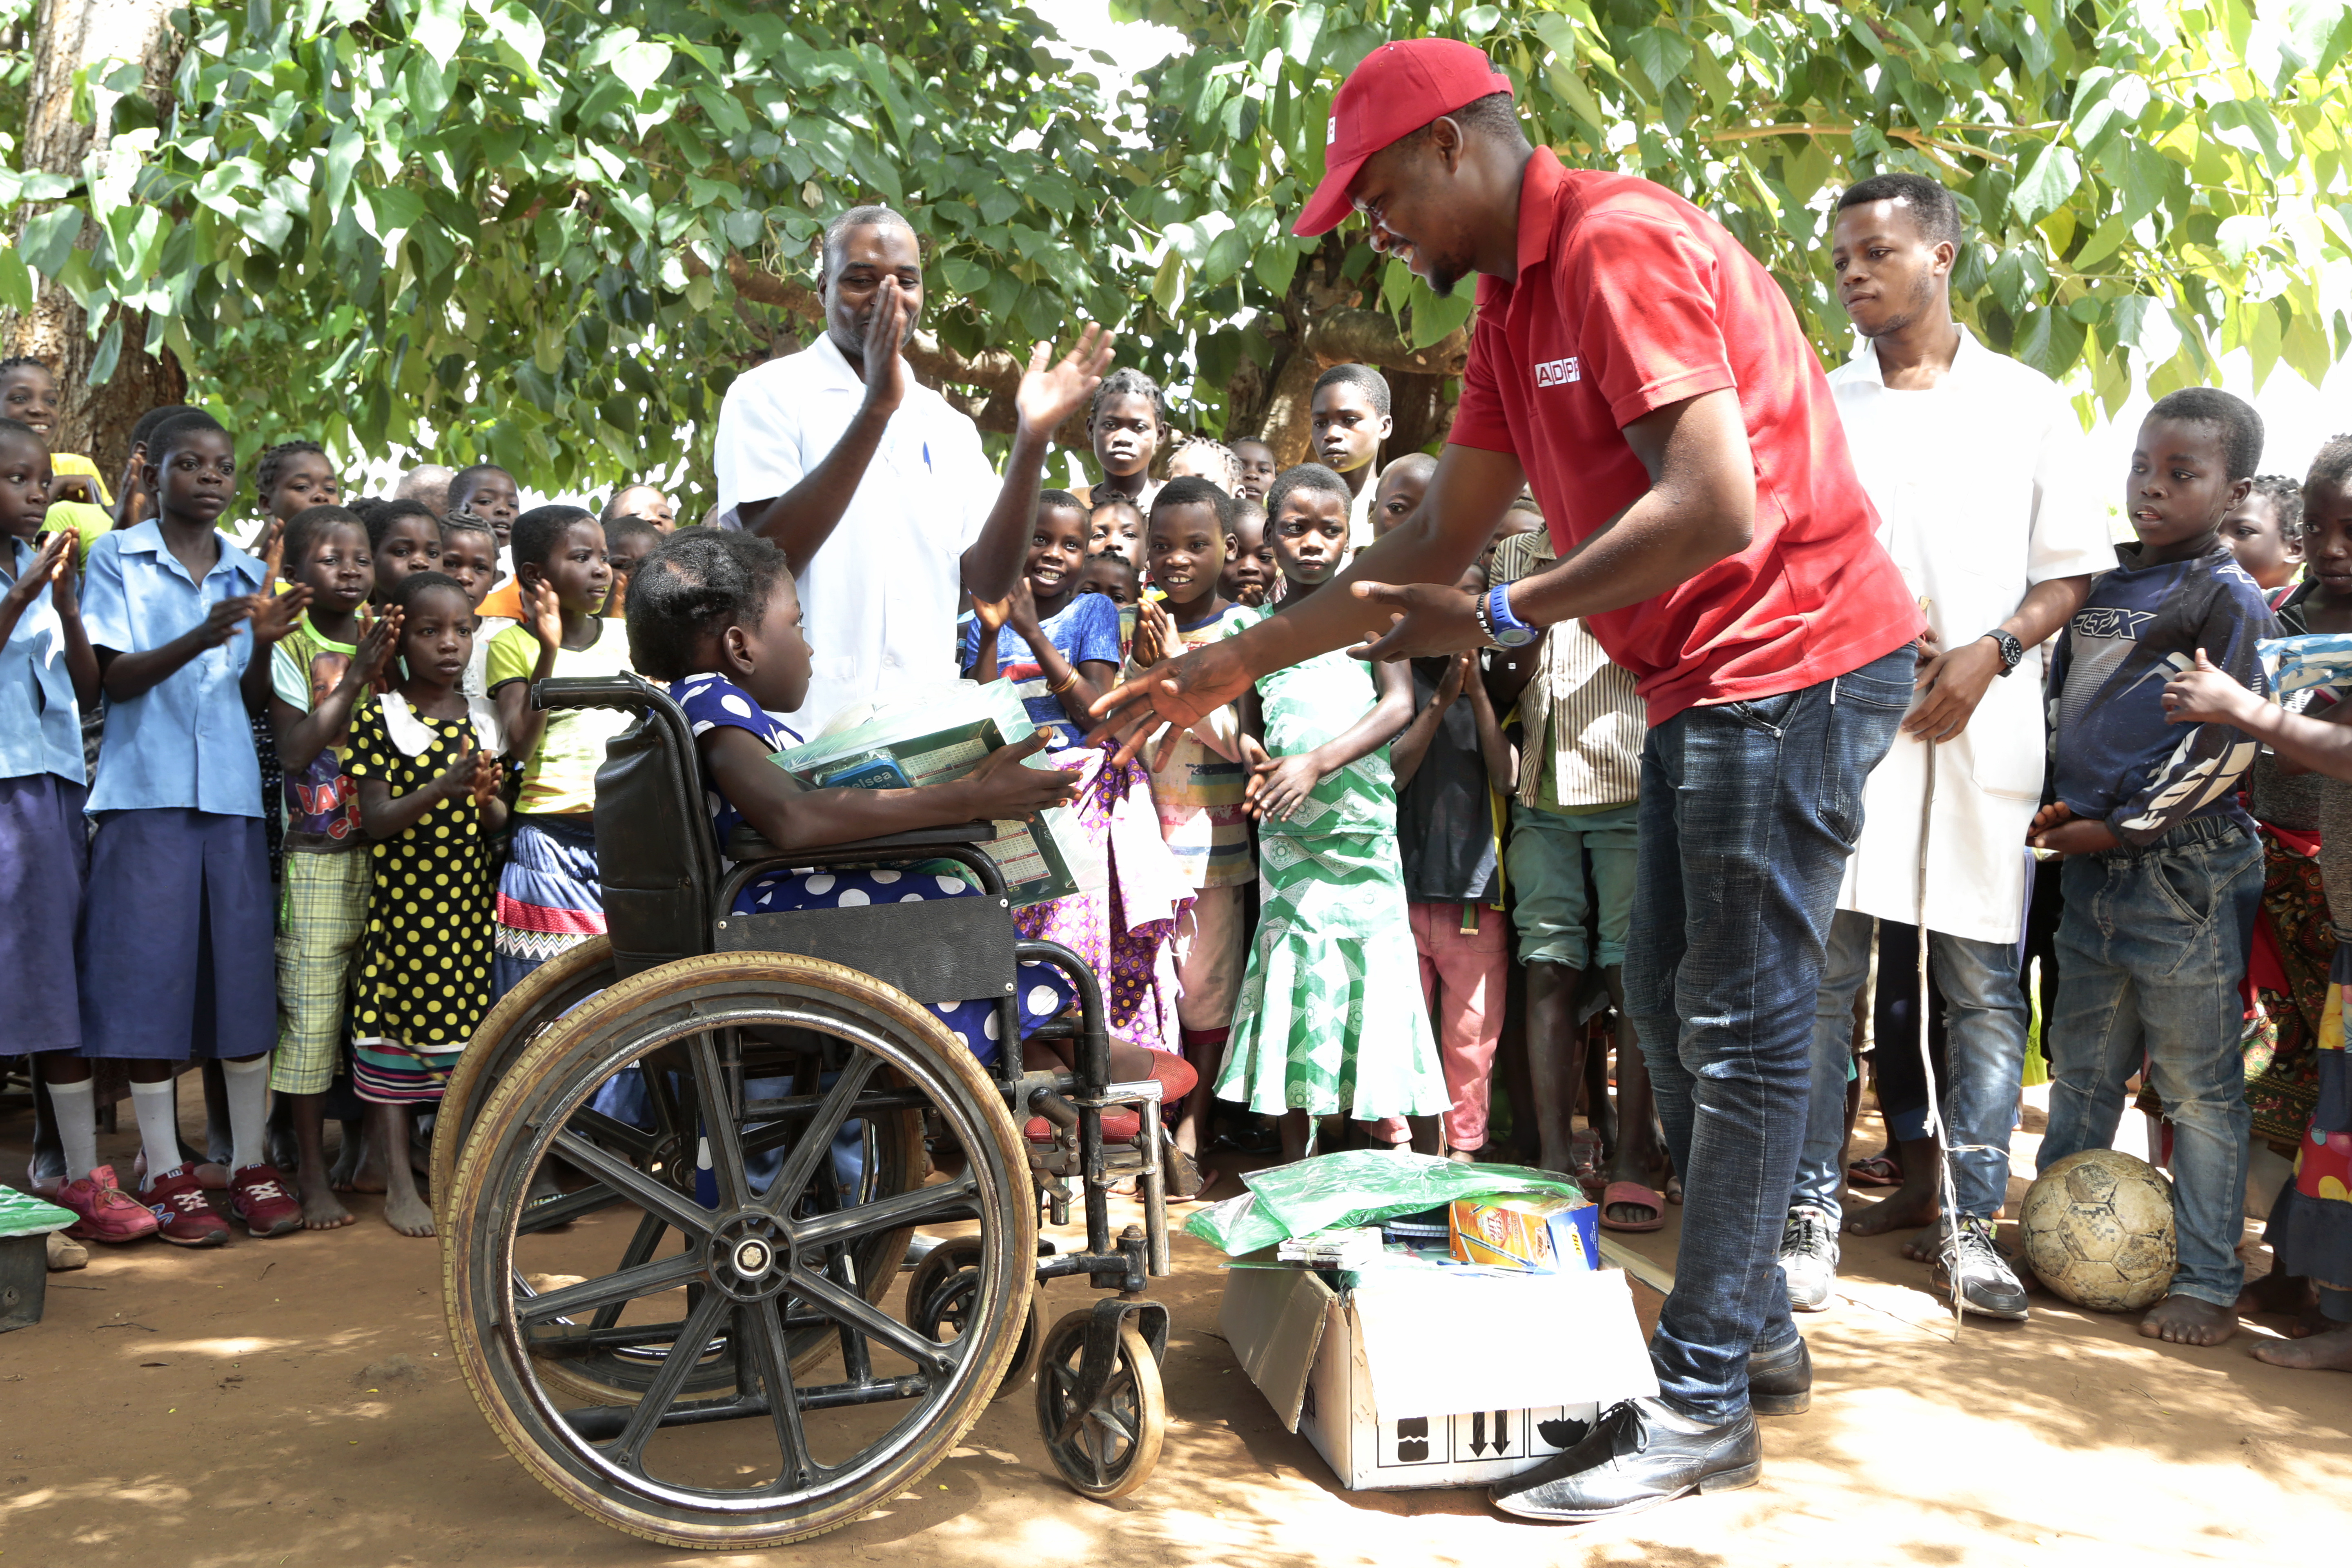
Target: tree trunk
(67, 36)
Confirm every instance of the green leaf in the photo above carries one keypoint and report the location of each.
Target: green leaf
(2046, 182)
(439, 27)
(641, 64)
(342, 157)
(109, 349)
(16, 279)
(1478, 21)
(1661, 55)
(1273, 267)
(48, 239)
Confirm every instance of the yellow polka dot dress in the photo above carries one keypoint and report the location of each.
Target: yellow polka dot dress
(425, 966)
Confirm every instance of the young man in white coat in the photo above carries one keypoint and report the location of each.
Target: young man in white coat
(1973, 462)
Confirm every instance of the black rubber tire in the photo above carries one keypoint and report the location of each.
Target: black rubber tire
(526, 1117)
(1132, 1412)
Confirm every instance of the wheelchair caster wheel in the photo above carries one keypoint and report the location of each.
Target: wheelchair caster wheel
(939, 1297)
(1108, 1446)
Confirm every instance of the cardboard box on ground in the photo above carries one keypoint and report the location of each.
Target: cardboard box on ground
(1414, 1379)
(941, 734)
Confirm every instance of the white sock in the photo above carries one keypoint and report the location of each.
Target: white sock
(76, 1105)
(159, 1125)
(248, 1111)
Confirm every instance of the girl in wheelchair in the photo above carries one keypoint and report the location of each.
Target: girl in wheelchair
(716, 616)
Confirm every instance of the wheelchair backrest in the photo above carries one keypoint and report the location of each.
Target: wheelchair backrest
(655, 854)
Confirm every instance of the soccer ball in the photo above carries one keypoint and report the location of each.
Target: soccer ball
(2097, 1228)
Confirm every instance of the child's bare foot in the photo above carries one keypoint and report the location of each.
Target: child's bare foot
(1927, 1246)
(407, 1214)
(1906, 1206)
(2277, 1292)
(2186, 1321)
(321, 1210)
(364, 1175)
(2329, 1351)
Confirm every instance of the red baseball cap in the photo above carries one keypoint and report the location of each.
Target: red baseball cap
(1392, 92)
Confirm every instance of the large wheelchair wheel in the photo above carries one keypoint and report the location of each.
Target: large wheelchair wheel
(749, 1282)
(546, 994)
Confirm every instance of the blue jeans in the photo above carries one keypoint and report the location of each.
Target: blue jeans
(1988, 1024)
(1748, 811)
(2149, 952)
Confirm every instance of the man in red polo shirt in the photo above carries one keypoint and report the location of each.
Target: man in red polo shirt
(1646, 376)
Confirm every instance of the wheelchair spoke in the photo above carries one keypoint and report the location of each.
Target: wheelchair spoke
(846, 1305)
(718, 1123)
(883, 1214)
(565, 1209)
(670, 1380)
(816, 1137)
(672, 1206)
(620, 1287)
(611, 1130)
(639, 1250)
(760, 1328)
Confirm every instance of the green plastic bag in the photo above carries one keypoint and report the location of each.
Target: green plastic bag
(1235, 1226)
(1356, 1186)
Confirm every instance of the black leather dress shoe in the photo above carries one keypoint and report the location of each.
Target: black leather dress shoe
(1632, 1459)
(1781, 1381)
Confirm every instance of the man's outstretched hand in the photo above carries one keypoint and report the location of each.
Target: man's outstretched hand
(1425, 619)
(1050, 393)
(1178, 693)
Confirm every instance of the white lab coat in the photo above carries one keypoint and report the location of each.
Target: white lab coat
(880, 598)
(1982, 493)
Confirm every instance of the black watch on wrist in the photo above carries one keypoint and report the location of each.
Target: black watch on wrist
(2012, 651)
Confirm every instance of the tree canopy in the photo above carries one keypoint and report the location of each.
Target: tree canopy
(549, 232)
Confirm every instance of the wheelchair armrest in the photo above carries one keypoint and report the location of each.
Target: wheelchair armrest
(744, 846)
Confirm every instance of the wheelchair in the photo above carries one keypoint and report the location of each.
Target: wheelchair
(678, 1170)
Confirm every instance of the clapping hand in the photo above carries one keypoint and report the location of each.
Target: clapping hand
(1155, 633)
(543, 612)
(1049, 394)
(379, 636)
(52, 568)
(486, 778)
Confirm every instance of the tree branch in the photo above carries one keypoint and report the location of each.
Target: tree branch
(1370, 337)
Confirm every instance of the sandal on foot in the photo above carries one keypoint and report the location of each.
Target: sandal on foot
(1878, 1170)
(1635, 1195)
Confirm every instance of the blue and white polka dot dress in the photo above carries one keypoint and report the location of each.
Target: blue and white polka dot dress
(710, 701)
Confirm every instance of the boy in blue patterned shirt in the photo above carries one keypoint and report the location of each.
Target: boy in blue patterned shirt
(2163, 873)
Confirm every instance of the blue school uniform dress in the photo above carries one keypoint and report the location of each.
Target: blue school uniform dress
(179, 957)
(43, 843)
(713, 700)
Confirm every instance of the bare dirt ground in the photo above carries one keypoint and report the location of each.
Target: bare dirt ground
(247, 1405)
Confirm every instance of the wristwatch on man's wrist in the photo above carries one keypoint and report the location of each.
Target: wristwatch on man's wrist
(1503, 628)
(2012, 651)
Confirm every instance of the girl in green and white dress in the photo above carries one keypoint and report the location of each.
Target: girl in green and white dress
(1331, 1018)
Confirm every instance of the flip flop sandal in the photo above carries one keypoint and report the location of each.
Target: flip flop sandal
(1878, 1170)
(1633, 1195)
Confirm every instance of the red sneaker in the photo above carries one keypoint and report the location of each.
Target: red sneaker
(259, 1195)
(177, 1200)
(211, 1174)
(107, 1212)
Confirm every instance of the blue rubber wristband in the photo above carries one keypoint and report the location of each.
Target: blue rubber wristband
(1498, 610)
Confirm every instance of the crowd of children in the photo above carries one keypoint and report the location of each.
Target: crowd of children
(323, 815)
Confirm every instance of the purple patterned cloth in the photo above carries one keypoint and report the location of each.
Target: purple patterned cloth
(1122, 932)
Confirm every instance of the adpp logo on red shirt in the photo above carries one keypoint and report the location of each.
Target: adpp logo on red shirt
(1558, 372)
